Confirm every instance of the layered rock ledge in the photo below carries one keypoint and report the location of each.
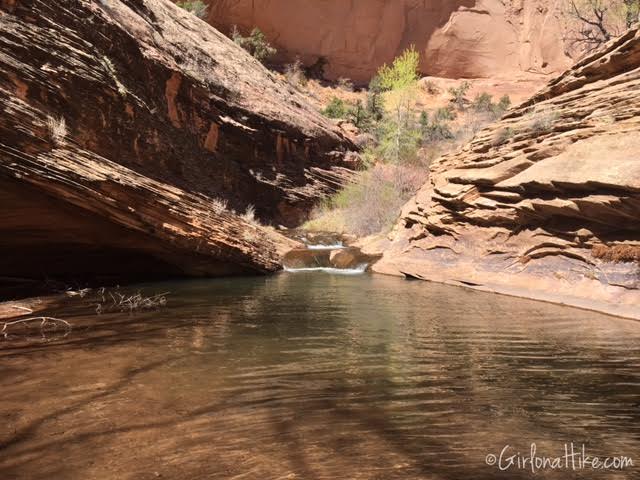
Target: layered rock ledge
(544, 203)
(131, 131)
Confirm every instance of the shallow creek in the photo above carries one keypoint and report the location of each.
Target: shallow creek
(318, 376)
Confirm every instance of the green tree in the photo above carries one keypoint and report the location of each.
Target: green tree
(398, 131)
(375, 107)
(403, 73)
(359, 116)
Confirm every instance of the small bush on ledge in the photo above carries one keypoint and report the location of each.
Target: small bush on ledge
(337, 109)
(196, 7)
(256, 44)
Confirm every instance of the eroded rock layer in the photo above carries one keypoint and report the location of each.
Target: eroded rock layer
(126, 128)
(456, 38)
(546, 202)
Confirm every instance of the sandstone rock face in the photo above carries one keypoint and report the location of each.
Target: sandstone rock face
(457, 38)
(544, 203)
(127, 125)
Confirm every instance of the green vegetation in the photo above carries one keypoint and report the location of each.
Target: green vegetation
(336, 109)
(484, 103)
(459, 95)
(196, 7)
(256, 44)
(402, 139)
(398, 131)
(360, 116)
(437, 128)
(402, 75)
(371, 203)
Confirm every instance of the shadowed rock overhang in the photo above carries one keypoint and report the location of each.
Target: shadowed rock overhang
(130, 132)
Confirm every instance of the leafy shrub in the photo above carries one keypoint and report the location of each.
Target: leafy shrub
(398, 139)
(505, 103)
(256, 44)
(504, 135)
(196, 7)
(398, 133)
(459, 95)
(437, 129)
(483, 102)
(375, 85)
(336, 109)
(371, 203)
(542, 120)
(445, 113)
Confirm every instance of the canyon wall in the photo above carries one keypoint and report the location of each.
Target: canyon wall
(544, 203)
(456, 38)
(131, 132)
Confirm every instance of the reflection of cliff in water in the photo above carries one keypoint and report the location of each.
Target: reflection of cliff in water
(318, 376)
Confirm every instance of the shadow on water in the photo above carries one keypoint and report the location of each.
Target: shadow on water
(316, 376)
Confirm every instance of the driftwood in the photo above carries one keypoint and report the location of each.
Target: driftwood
(43, 323)
(129, 303)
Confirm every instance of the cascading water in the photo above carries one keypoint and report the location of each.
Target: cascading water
(328, 254)
(336, 246)
(362, 268)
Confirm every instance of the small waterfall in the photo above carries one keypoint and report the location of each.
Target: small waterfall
(320, 246)
(358, 270)
(327, 254)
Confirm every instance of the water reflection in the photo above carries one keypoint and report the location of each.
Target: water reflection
(319, 376)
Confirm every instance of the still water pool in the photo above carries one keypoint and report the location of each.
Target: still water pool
(318, 376)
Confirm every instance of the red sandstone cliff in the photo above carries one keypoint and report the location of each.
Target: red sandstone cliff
(456, 38)
(125, 127)
(546, 202)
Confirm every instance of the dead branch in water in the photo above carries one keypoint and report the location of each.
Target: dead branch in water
(130, 303)
(43, 323)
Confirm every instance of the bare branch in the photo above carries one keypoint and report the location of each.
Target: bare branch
(43, 323)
